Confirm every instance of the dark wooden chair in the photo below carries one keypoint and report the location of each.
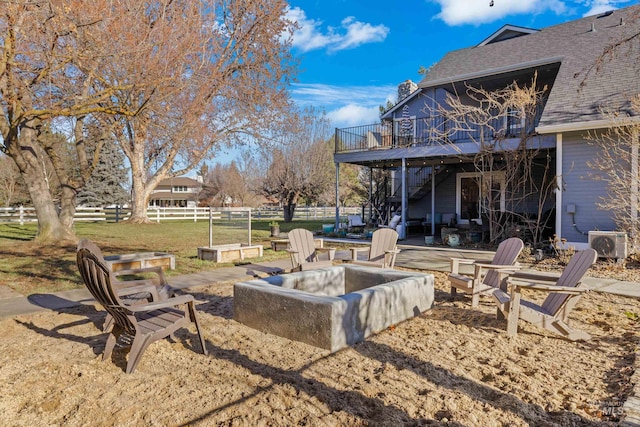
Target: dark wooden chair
(134, 291)
(146, 322)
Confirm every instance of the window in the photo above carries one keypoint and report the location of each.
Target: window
(473, 194)
(180, 189)
(515, 122)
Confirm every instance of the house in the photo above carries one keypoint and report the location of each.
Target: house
(176, 192)
(431, 156)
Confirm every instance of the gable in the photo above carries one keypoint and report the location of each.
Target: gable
(507, 32)
(579, 90)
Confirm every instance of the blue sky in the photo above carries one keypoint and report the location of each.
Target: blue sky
(354, 53)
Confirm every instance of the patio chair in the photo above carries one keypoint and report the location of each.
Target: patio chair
(133, 291)
(144, 323)
(553, 313)
(355, 222)
(304, 253)
(382, 252)
(487, 275)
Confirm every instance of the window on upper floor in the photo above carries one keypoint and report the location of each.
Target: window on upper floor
(180, 189)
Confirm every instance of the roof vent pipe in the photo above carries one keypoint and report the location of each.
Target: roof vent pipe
(621, 22)
(593, 27)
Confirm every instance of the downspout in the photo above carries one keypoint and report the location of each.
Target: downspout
(335, 150)
(370, 193)
(559, 184)
(404, 199)
(337, 197)
(433, 200)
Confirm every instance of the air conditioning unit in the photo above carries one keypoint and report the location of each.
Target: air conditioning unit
(609, 244)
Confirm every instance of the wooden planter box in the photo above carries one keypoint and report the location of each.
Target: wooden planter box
(140, 260)
(229, 253)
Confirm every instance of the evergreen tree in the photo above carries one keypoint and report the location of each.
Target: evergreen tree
(108, 180)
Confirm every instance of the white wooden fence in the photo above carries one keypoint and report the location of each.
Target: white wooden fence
(24, 215)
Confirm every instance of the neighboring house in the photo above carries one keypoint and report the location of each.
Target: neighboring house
(432, 177)
(176, 192)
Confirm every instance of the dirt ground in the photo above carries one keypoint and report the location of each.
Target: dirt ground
(451, 365)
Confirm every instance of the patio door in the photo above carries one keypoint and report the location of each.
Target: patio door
(474, 194)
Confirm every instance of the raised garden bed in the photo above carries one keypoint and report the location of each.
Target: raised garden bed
(140, 260)
(229, 253)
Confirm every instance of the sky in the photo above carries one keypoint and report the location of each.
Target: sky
(354, 53)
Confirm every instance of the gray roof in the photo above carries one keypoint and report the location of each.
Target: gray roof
(579, 90)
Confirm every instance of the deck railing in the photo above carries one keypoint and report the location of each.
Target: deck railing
(424, 131)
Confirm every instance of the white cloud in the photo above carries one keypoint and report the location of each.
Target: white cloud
(459, 12)
(331, 96)
(311, 35)
(600, 6)
(353, 115)
(345, 105)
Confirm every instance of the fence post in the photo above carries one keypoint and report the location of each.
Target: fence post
(117, 213)
(21, 215)
(210, 228)
(158, 215)
(249, 225)
(195, 214)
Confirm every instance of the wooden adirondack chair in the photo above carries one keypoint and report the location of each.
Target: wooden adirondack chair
(382, 252)
(553, 313)
(487, 275)
(133, 291)
(303, 251)
(145, 323)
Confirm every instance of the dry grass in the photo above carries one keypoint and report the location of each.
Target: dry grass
(29, 267)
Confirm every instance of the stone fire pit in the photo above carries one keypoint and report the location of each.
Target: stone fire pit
(332, 307)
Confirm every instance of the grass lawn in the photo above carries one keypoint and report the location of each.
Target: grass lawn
(29, 267)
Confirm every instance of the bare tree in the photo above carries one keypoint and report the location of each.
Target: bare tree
(170, 79)
(516, 175)
(207, 73)
(616, 163)
(300, 165)
(228, 185)
(250, 182)
(41, 79)
(12, 189)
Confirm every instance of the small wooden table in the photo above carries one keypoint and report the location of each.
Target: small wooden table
(283, 244)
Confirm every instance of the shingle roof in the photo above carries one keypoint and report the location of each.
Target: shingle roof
(179, 180)
(577, 93)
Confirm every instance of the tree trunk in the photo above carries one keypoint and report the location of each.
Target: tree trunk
(140, 187)
(290, 207)
(139, 202)
(24, 151)
(289, 210)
